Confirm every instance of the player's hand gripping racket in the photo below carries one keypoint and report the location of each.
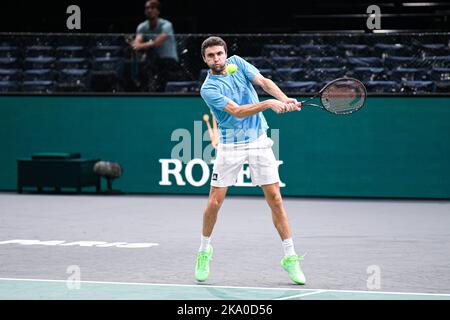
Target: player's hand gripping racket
(340, 96)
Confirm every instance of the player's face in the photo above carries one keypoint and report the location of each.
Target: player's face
(215, 57)
(151, 10)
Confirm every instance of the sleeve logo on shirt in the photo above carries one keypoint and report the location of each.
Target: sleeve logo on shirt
(214, 176)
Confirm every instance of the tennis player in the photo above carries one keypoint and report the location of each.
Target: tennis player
(234, 103)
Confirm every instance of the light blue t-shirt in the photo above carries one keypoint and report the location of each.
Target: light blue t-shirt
(219, 90)
(169, 48)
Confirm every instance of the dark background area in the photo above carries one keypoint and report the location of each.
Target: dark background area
(231, 16)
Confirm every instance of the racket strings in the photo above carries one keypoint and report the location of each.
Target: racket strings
(343, 96)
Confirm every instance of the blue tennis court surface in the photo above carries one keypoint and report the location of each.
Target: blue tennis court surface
(37, 289)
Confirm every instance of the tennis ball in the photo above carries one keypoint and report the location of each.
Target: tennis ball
(231, 68)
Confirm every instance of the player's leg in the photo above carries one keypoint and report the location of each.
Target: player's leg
(205, 252)
(264, 172)
(225, 171)
(279, 217)
(215, 200)
(226, 168)
(290, 262)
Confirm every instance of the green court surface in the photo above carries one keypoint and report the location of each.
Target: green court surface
(37, 289)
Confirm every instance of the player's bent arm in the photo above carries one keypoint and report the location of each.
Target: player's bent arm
(139, 38)
(246, 110)
(270, 87)
(160, 39)
(139, 43)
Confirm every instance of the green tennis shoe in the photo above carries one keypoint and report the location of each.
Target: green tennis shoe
(292, 266)
(202, 264)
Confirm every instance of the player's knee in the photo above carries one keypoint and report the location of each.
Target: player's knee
(215, 203)
(275, 200)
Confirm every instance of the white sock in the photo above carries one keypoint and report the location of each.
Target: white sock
(288, 247)
(204, 244)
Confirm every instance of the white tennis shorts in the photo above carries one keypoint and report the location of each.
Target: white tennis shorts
(230, 159)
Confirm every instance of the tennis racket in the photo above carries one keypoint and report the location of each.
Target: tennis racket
(340, 96)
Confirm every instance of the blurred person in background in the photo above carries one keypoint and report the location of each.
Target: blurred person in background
(155, 40)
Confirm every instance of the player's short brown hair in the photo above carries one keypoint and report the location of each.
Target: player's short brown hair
(211, 42)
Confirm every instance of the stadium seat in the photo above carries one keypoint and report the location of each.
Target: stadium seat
(354, 50)
(369, 74)
(282, 50)
(437, 61)
(74, 80)
(324, 62)
(39, 75)
(437, 49)
(311, 50)
(39, 63)
(9, 52)
(39, 51)
(73, 63)
(10, 63)
(106, 74)
(71, 52)
(289, 74)
(368, 62)
(107, 51)
(442, 86)
(417, 86)
(286, 62)
(10, 74)
(259, 62)
(183, 86)
(381, 86)
(387, 49)
(440, 74)
(38, 86)
(106, 40)
(292, 87)
(409, 74)
(327, 74)
(9, 86)
(393, 62)
(39, 40)
(107, 64)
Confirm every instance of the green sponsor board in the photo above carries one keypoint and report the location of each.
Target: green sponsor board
(393, 147)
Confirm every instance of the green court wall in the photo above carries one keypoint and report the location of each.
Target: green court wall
(395, 147)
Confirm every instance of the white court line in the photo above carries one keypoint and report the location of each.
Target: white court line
(228, 287)
(302, 295)
(158, 284)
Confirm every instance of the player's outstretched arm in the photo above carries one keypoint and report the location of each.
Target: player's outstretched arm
(271, 88)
